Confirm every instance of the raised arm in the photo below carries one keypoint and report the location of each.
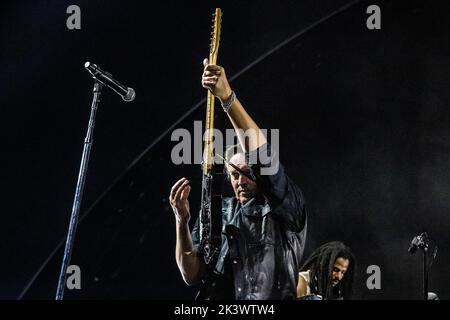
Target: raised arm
(189, 263)
(214, 79)
(284, 195)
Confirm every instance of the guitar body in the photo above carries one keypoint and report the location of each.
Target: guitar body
(211, 215)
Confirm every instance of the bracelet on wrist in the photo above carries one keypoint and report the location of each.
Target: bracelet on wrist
(227, 104)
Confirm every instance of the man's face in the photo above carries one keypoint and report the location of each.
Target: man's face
(339, 270)
(244, 188)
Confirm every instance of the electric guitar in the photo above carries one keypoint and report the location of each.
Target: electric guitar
(211, 203)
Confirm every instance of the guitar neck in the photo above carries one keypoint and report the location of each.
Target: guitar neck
(209, 143)
(208, 155)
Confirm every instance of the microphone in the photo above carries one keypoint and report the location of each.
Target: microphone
(127, 93)
(420, 241)
(414, 244)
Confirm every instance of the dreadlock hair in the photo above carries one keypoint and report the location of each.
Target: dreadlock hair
(321, 265)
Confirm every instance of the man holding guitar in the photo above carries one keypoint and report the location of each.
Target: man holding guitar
(263, 225)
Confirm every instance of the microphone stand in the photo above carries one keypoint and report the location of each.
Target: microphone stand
(425, 271)
(422, 241)
(78, 192)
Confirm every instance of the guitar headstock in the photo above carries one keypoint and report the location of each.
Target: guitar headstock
(215, 35)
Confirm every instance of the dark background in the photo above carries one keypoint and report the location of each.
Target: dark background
(364, 130)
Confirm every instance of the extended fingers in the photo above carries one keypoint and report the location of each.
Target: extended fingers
(175, 188)
(180, 190)
(185, 192)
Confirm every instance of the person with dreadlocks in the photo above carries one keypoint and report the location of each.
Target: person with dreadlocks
(327, 274)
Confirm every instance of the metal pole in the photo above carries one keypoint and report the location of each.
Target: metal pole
(78, 193)
(425, 273)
